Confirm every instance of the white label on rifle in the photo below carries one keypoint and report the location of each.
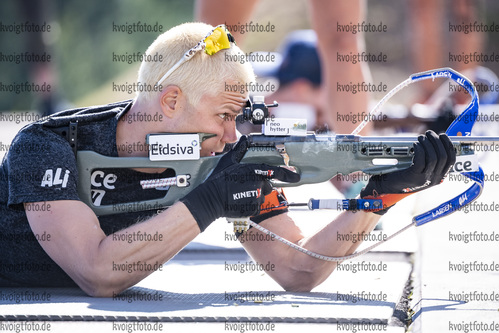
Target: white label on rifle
(465, 163)
(285, 126)
(169, 147)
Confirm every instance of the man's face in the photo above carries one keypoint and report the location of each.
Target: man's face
(216, 115)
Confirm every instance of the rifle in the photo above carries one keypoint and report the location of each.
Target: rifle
(317, 158)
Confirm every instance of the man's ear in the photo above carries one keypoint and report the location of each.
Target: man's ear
(170, 100)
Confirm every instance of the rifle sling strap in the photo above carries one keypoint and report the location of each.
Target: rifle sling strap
(70, 133)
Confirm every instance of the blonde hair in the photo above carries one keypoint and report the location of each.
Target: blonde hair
(202, 74)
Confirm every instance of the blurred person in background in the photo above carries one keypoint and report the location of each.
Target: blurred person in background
(435, 42)
(300, 92)
(324, 17)
(38, 43)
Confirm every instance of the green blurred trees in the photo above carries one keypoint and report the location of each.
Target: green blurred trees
(82, 41)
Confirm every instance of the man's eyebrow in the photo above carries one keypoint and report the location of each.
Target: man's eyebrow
(235, 109)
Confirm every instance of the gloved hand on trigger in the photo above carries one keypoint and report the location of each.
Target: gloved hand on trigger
(234, 189)
(433, 157)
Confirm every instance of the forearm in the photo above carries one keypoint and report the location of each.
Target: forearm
(125, 258)
(297, 271)
(330, 241)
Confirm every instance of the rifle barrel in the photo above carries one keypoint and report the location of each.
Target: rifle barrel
(470, 140)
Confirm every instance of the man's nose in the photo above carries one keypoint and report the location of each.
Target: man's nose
(229, 134)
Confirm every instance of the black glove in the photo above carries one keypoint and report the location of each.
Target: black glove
(233, 189)
(433, 158)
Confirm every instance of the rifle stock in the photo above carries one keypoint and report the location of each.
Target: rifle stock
(317, 158)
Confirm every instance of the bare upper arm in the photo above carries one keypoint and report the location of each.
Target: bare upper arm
(75, 235)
